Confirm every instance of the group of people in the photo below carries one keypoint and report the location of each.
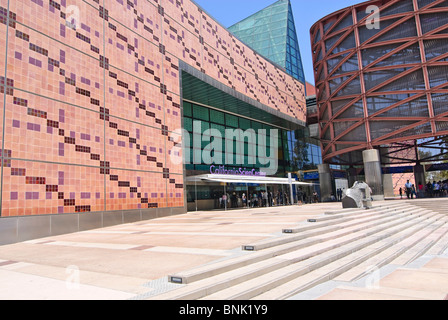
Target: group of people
(430, 190)
(303, 198)
(266, 198)
(227, 200)
(338, 197)
(437, 189)
(261, 198)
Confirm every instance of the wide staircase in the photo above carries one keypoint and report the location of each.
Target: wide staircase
(344, 245)
(436, 204)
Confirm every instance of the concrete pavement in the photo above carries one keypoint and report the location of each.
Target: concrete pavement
(132, 261)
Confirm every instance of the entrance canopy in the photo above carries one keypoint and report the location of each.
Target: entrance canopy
(244, 179)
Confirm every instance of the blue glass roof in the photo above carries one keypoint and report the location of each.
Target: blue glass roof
(272, 33)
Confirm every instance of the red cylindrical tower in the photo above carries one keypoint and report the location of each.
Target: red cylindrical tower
(381, 74)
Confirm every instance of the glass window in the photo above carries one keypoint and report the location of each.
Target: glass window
(231, 121)
(205, 126)
(197, 154)
(217, 116)
(256, 125)
(188, 124)
(201, 113)
(187, 109)
(220, 128)
(244, 124)
(213, 119)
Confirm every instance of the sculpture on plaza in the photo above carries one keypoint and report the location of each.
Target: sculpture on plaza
(358, 196)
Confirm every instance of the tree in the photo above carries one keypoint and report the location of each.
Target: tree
(300, 156)
(441, 157)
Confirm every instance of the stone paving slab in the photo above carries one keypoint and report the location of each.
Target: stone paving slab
(354, 293)
(131, 261)
(24, 286)
(429, 282)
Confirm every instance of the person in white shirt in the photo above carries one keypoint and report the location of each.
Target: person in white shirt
(436, 189)
(408, 187)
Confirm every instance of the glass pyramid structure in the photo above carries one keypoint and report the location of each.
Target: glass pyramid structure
(272, 33)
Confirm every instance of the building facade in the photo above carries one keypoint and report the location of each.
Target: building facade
(272, 32)
(381, 74)
(93, 94)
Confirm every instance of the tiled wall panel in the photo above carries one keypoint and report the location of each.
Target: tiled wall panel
(175, 193)
(132, 98)
(93, 97)
(32, 187)
(2, 71)
(49, 19)
(127, 189)
(130, 145)
(43, 66)
(173, 116)
(42, 129)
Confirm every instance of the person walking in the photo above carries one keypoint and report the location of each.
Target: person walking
(224, 200)
(339, 194)
(315, 197)
(436, 186)
(299, 196)
(420, 190)
(265, 199)
(408, 187)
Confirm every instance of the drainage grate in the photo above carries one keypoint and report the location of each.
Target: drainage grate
(158, 286)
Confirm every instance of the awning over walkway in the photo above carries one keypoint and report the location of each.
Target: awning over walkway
(244, 179)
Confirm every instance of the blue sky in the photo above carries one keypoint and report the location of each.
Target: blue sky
(306, 13)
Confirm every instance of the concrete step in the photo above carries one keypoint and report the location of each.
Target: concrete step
(330, 220)
(305, 261)
(348, 210)
(429, 201)
(328, 272)
(230, 264)
(437, 204)
(434, 206)
(324, 227)
(345, 236)
(208, 286)
(439, 230)
(382, 293)
(284, 263)
(402, 242)
(310, 230)
(440, 246)
(355, 212)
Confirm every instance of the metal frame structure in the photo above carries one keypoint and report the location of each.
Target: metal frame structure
(379, 87)
(406, 152)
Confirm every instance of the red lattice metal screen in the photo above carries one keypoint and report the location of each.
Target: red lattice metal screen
(376, 87)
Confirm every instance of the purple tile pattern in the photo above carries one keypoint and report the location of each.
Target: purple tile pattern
(92, 95)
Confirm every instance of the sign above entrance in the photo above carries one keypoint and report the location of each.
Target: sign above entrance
(236, 172)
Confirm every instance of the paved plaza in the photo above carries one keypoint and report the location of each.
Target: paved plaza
(133, 261)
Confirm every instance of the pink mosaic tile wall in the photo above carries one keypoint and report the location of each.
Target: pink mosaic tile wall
(90, 96)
